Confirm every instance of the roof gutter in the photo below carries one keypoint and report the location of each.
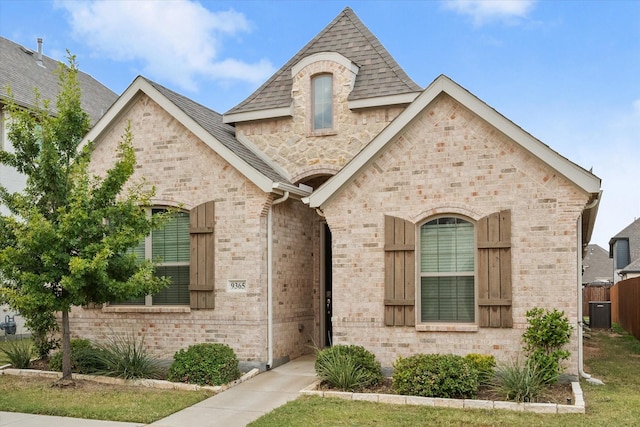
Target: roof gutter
(301, 191)
(588, 218)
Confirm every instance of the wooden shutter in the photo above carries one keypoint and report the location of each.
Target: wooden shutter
(399, 272)
(202, 256)
(494, 270)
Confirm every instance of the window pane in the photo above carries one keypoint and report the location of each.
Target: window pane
(138, 251)
(322, 102)
(171, 243)
(447, 299)
(447, 245)
(177, 293)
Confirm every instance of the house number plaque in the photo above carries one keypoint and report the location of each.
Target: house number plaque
(236, 286)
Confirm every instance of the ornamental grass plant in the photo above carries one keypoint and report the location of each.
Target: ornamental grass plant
(18, 352)
(348, 367)
(126, 356)
(521, 382)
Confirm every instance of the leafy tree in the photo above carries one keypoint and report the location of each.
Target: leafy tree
(67, 239)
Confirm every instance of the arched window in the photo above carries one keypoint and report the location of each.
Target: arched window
(322, 88)
(447, 270)
(169, 247)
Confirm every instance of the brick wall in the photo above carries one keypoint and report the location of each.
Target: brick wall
(186, 172)
(450, 161)
(295, 288)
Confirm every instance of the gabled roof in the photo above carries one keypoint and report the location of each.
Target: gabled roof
(20, 70)
(597, 267)
(379, 74)
(207, 125)
(631, 231)
(634, 267)
(582, 178)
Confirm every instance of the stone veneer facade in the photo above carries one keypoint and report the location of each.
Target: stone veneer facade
(293, 145)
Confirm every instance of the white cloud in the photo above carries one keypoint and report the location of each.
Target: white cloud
(177, 41)
(484, 11)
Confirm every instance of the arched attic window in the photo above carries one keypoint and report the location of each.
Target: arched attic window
(322, 89)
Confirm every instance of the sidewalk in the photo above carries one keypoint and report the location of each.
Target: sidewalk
(235, 407)
(248, 401)
(16, 419)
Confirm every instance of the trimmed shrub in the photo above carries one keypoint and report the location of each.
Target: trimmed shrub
(547, 333)
(435, 375)
(348, 367)
(205, 364)
(519, 382)
(484, 363)
(82, 358)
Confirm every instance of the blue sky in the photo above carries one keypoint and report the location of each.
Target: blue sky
(568, 72)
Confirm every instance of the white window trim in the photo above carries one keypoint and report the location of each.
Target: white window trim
(312, 113)
(148, 299)
(434, 326)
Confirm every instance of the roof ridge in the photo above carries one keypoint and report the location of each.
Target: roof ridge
(379, 47)
(348, 35)
(287, 65)
(182, 97)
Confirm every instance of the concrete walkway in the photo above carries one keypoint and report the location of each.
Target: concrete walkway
(235, 407)
(248, 401)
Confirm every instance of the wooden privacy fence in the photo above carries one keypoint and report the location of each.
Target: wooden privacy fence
(627, 305)
(594, 293)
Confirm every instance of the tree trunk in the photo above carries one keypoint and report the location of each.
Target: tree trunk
(66, 347)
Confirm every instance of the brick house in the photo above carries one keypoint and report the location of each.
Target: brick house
(343, 203)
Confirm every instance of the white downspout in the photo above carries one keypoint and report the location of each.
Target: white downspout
(270, 278)
(580, 314)
(581, 371)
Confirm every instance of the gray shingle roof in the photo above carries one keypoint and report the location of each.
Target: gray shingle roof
(20, 71)
(634, 267)
(211, 121)
(631, 233)
(379, 74)
(597, 265)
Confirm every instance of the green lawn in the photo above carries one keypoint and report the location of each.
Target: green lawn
(614, 358)
(91, 400)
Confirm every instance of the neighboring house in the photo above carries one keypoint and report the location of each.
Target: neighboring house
(624, 248)
(23, 71)
(597, 267)
(341, 203)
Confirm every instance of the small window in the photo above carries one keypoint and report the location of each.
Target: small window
(622, 254)
(322, 87)
(169, 248)
(447, 271)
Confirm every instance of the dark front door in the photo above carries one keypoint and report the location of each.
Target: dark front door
(327, 287)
